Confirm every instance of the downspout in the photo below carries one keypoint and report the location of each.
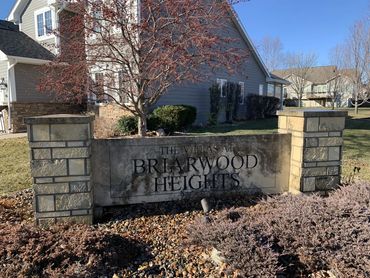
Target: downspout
(10, 95)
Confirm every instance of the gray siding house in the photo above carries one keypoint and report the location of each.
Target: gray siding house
(256, 79)
(33, 21)
(27, 43)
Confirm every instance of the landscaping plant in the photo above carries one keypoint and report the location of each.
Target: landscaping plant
(294, 236)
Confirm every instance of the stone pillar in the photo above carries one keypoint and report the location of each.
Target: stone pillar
(60, 166)
(316, 154)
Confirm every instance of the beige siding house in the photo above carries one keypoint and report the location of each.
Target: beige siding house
(323, 86)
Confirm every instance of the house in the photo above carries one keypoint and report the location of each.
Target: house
(256, 79)
(26, 43)
(323, 86)
(36, 19)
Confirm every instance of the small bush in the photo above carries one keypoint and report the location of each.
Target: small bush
(127, 125)
(260, 107)
(173, 117)
(62, 251)
(291, 102)
(294, 236)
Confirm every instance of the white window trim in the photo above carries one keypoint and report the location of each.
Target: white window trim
(221, 83)
(53, 25)
(242, 92)
(260, 92)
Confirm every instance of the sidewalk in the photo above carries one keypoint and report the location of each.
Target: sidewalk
(12, 135)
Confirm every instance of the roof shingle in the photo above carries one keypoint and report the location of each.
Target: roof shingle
(16, 43)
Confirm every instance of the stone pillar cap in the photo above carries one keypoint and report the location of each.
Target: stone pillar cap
(312, 113)
(59, 119)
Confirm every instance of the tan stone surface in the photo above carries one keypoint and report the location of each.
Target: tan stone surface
(40, 133)
(295, 123)
(312, 142)
(312, 124)
(315, 171)
(316, 154)
(71, 152)
(41, 153)
(73, 201)
(69, 132)
(51, 188)
(76, 167)
(309, 184)
(331, 141)
(334, 153)
(83, 219)
(49, 168)
(45, 203)
(332, 123)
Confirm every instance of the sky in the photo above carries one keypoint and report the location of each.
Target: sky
(302, 25)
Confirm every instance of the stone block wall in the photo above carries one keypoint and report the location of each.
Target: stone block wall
(20, 110)
(60, 167)
(106, 116)
(316, 155)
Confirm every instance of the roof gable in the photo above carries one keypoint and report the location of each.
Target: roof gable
(17, 10)
(18, 44)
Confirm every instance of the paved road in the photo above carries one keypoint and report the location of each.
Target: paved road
(12, 135)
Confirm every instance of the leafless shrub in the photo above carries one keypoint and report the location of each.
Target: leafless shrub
(62, 251)
(294, 235)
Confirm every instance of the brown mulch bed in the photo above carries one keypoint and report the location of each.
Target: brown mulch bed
(171, 239)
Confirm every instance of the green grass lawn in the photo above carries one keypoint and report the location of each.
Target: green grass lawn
(14, 165)
(356, 151)
(14, 153)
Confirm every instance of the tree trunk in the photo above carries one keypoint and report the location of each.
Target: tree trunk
(142, 122)
(300, 100)
(356, 103)
(142, 125)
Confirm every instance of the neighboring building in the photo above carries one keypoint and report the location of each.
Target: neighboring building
(36, 20)
(26, 43)
(323, 87)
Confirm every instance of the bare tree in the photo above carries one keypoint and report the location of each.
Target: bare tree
(299, 65)
(271, 50)
(134, 54)
(336, 85)
(356, 58)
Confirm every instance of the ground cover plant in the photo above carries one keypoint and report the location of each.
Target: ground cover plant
(293, 236)
(63, 251)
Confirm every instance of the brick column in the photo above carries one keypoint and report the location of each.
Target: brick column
(316, 155)
(60, 167)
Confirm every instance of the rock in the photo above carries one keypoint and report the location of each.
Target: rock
(217, 257)
(160, 132)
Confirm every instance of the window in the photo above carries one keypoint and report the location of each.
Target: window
(261, 89)
(222, 85)
(270, 90)
(97, 17)
(44, 23)
(278, 91)
(242, 93)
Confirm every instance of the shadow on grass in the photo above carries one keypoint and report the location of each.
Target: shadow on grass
(358, 123)
(252, 126)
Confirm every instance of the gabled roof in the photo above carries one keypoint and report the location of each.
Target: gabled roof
(316, 75)
(17, 44)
